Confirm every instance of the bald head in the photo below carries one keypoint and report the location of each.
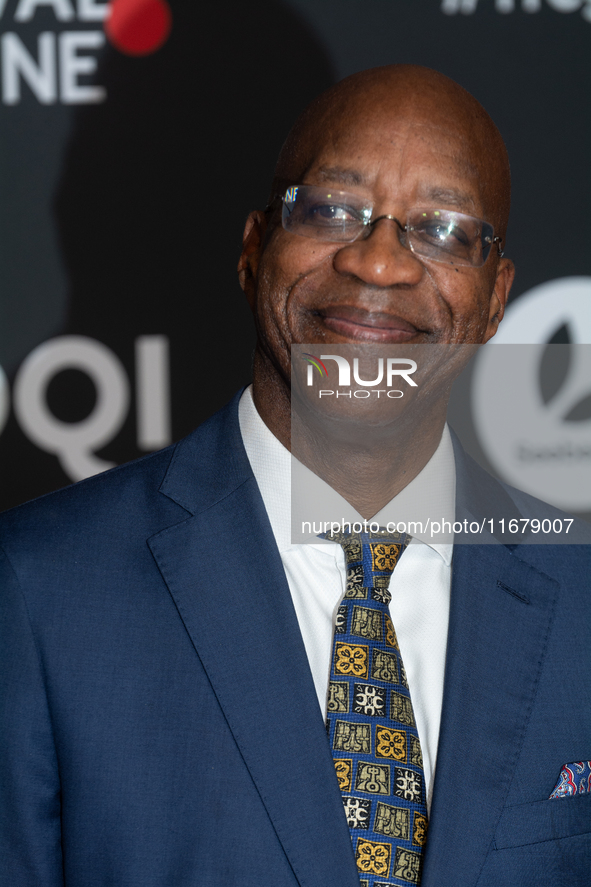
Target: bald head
(366, 101)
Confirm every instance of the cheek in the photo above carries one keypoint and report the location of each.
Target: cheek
(467, 298)
(282, 274)
(295, 256)
(289, 265)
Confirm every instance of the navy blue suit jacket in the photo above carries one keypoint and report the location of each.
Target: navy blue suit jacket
(160, 725)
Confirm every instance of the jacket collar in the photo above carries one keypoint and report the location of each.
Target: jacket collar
(210, 463)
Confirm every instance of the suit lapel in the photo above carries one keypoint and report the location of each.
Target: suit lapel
(224, 572)
(501, 612)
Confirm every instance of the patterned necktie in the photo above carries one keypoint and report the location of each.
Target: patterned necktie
(370, 720)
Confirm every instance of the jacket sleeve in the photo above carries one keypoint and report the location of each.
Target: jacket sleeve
(30, 844)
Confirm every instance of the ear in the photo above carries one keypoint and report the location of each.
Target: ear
(500, 294)
(252, 247)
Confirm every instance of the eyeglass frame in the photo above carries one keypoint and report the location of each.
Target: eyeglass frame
(495, 240)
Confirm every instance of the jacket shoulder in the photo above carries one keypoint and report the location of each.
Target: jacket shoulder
(104, 511)
(139, 495)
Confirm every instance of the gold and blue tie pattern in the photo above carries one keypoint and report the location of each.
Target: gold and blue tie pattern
(370, 721)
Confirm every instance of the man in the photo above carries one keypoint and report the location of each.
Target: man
(169, 649)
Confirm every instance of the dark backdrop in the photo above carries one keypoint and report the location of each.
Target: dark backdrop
(121, 212)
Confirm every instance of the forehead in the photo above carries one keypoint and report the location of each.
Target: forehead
(400, 158)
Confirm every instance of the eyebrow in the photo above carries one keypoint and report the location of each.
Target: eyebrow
(342, 175)
(447, 196)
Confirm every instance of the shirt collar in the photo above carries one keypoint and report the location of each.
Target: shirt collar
(271, 464)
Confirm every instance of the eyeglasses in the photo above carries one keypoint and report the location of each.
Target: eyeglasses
(340, 217)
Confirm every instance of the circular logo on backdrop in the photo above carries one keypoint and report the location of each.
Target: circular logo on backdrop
(531, 394)
(538, 315)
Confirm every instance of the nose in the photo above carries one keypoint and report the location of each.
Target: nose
(380, 259)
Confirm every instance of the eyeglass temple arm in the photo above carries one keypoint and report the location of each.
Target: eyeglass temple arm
(271, 204)
(499, 240)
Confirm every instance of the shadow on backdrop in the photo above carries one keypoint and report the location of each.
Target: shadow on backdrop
(156, 186)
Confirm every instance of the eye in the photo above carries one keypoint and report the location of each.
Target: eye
(442, 232)
(332, 213)
(325, 214)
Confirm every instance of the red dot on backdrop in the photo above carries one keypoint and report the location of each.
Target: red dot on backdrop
(138, 27)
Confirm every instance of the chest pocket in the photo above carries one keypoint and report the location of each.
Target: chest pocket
(548, 820)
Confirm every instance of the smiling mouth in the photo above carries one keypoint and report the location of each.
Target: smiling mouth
(355, 324)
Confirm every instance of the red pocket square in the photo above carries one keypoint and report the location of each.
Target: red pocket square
(574, 779)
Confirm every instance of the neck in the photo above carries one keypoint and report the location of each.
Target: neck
(367, 462)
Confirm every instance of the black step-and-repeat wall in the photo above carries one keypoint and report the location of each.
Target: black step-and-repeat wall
(136, 135)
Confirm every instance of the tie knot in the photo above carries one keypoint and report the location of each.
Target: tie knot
(370, 557)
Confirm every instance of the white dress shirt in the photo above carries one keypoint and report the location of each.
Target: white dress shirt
(420, 585)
